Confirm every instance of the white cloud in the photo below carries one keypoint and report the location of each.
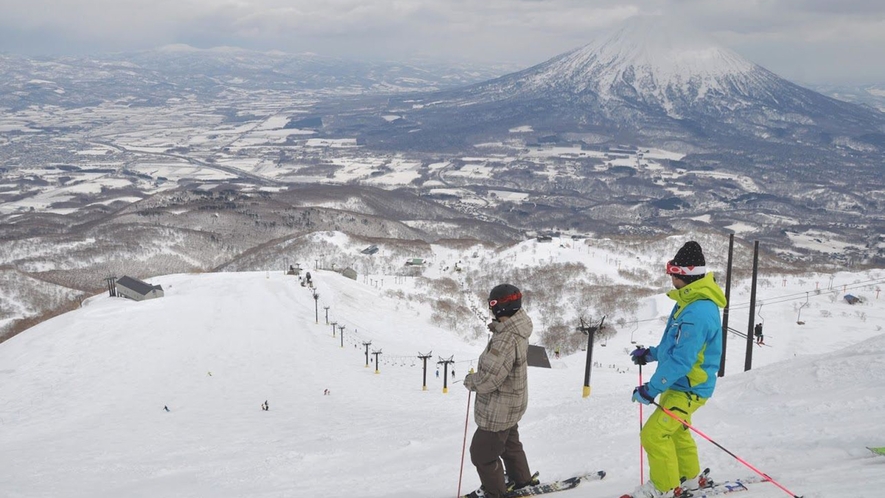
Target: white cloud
(520, 31)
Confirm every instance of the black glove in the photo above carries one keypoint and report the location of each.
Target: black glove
(640, 356)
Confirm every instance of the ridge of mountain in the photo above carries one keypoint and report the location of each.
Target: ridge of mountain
(870, 95)
(153, 76)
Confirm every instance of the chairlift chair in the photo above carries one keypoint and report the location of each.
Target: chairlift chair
(759, 314)
(798, 320)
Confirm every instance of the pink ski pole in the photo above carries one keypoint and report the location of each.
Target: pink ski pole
(464, 444)
(754, 469)
(641, 454)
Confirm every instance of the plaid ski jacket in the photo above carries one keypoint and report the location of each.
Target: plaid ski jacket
(501, 378)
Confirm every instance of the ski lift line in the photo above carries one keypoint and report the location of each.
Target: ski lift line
(742, 334)
(802, 295)
(769, 301)
(780, 299)
(737, 332)
(846, 286)
(745, 305)
(850, 286)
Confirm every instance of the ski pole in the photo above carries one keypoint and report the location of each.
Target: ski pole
(641, 455)
(739, 459)
(464, 444)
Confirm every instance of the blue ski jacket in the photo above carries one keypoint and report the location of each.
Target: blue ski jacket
(690, 350)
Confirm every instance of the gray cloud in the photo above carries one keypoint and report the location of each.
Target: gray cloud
(806, 40)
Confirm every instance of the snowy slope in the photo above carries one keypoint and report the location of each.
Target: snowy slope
(82, 397)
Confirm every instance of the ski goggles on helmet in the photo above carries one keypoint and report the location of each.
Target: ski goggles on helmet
(673, 269)
(505, 299)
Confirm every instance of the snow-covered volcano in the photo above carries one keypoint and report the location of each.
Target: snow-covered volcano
(652, 68)
(652, 61)
(657, 82)
(648, 55)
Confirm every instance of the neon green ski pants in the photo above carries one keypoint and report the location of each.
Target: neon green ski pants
(672, 452)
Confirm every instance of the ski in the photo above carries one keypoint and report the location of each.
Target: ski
(560, 485)
(719, 488)
(877, 451)
(552, 487)
(722, 488)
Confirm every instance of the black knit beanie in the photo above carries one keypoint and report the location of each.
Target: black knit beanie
(689, 264)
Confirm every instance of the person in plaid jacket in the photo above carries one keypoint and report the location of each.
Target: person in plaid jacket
(501, 386)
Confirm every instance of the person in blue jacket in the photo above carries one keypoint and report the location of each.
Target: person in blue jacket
(688, 359)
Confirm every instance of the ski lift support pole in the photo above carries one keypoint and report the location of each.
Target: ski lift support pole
(748, 359)
(727, 306)
(590, 331)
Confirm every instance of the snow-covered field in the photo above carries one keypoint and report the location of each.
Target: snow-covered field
(151, 150)
(82, 397)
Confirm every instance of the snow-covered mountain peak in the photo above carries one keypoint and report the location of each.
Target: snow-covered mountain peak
(665, 48)
(650, 57)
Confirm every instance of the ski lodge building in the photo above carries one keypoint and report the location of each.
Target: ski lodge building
(137, 290)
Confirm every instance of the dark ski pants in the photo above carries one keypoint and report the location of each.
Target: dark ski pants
(489, 449)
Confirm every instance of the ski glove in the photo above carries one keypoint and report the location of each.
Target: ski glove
(640, 356)
(468, 381)
(495, 326)
(643, 395)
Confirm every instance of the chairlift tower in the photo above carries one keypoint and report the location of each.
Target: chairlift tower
(316, 305)
(367, 344)
(445, 363)
(590, 331)
(424, 358)
(377, 354)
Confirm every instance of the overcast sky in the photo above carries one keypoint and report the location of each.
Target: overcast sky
(807, 41)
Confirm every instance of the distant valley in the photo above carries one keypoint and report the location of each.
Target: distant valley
(183, 160)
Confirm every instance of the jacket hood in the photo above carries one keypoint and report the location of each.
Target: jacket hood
(519, 324)
(705, 288)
